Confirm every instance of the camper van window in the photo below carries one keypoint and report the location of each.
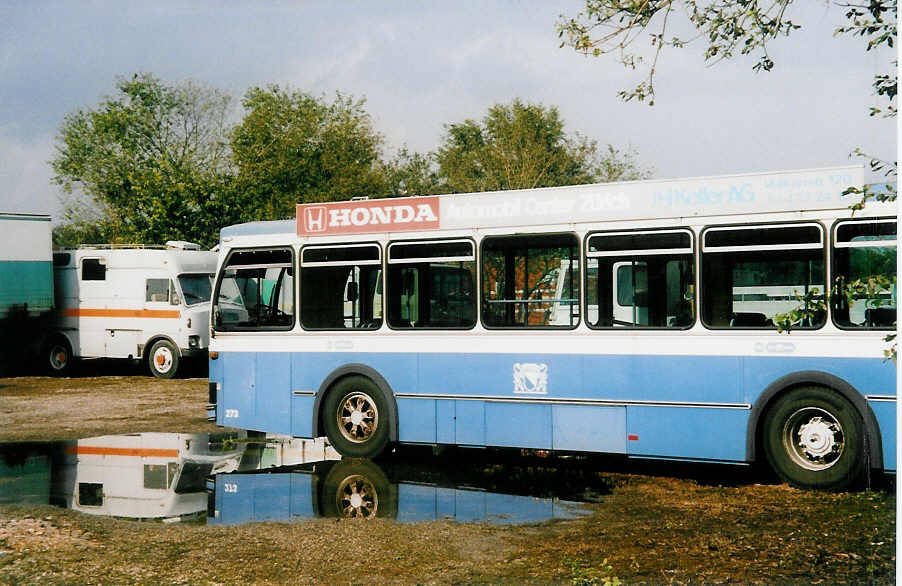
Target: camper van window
(93, 269)
(196, 288)
(158, 290)
(155, 476)
(90, 494)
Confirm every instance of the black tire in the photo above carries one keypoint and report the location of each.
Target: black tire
(815, 438)
(356, 418)
(58, 356)
(163, 359)
(358, 489)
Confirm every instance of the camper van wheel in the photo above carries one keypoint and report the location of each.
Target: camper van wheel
(59, 356)
(814, 438)
(163, 359)
(356, 418)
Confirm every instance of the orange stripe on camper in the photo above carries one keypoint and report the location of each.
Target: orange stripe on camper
(81, 312)
(106, 451)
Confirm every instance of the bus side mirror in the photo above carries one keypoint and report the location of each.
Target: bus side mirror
(352, 291)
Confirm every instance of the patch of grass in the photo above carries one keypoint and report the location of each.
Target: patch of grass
(582, 573)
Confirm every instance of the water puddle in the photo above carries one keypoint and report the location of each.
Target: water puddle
(229, 478)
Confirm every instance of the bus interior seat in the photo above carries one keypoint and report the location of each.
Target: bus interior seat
(749, 320)
(880, 317)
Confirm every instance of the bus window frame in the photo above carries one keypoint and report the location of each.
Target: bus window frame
(638, 253)
(834, 229)
(823, 246)
(214, 298)
(386, 291)
(481, 275)
(316, 264)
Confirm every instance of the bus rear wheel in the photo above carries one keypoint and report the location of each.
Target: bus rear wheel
(163, 359)
(814, 438)
(356, 418)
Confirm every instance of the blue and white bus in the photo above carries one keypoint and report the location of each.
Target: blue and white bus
(630, 318)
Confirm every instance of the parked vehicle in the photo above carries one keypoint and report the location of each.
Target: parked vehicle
(26, 284)
(635, 318)
(137, 302)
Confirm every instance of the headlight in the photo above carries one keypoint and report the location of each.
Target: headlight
(193, 341)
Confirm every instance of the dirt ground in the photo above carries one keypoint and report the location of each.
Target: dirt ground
(45, 408)
(660, 523)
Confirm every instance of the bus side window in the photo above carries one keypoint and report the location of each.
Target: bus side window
(523, 281)
(640, 279)
(341, 287)
(864, 274)
(752, 274)
(255, 291)
(430, 284)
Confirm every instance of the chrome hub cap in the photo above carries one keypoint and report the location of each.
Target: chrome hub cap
(358, 417)
(813, 438)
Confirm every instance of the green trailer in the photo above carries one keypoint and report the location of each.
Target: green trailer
(26, 285)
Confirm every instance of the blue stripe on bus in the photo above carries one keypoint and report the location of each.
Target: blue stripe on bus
(669, 405)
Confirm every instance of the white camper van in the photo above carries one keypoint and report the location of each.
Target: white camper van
(138, 302)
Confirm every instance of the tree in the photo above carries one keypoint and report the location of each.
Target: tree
(520, 146)
(152, 162)
(292, 148)
(412, 174)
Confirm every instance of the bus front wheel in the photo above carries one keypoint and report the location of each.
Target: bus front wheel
(163, 359)
(356, 418)
(814, 438)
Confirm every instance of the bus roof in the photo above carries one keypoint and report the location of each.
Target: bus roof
(781, 191)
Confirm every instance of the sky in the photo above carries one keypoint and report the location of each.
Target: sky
(422, 65)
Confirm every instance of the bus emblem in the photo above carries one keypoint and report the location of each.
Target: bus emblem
(530, 378)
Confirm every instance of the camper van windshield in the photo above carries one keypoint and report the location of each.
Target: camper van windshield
(196, 288)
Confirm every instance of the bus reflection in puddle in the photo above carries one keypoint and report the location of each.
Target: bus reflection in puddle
(228, 478)
(362, 489)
